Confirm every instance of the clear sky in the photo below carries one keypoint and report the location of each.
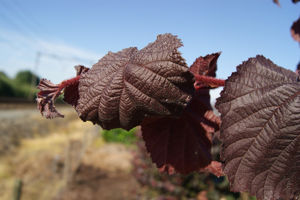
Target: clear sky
(73, 32)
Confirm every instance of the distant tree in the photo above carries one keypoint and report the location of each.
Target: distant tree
(6, 89)
(27, 77)
(3, 75)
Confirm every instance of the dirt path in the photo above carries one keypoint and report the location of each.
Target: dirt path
(103, 174)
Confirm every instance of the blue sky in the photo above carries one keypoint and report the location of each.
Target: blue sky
(81, 32)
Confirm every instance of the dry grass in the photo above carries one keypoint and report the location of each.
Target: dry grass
(39, 162)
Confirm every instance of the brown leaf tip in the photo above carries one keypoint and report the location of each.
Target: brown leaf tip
(206, 65)
(80, 69)
(277, 2)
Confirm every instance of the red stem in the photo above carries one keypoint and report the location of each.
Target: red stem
(210, 81)
(68, 82)
(65, 84)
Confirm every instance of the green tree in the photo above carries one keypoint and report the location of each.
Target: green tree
(6, 88)
(27, 77)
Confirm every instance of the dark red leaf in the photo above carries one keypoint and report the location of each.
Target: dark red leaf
(125, 87)
(295, 30)
(260, 130)
(295, 1)
(183, 144)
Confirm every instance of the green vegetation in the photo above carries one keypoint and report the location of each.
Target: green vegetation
(6, 88)
(22, 86)
(119, 135)
(27, 77)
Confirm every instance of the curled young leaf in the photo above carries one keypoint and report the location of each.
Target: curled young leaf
(49, 92)
(46, 97)
(125, 87)
(206, 65)
(204, 70)
(260, 130)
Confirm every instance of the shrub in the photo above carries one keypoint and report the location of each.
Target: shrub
(119, 135)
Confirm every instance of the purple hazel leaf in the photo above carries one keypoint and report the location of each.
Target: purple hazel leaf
(183, 144)
(260, 130)
(125, 87)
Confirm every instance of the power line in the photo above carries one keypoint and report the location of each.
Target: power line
(18, 20)
(19, 23)
(26, 14)
(38, 59)
(17, 45)
(17, 28)
(27, 29)
(12, 24)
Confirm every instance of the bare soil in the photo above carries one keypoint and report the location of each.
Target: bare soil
(63, 159)
(104, 173)
(92, 184)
